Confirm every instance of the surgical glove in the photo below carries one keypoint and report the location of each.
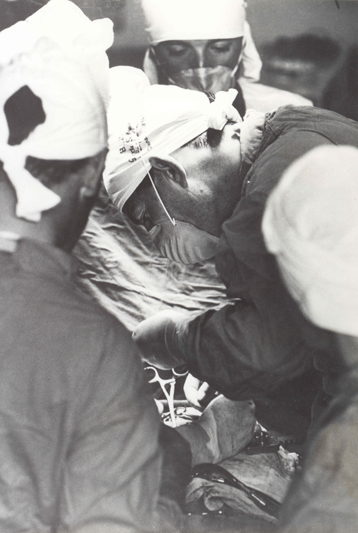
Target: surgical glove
(224, 429)
(195, 390)
(222, 110)
(155, 339)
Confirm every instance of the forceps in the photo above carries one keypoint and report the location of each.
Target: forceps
(168, 394)
(218, 474)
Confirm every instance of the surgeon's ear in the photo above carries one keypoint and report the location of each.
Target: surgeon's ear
(170, 168)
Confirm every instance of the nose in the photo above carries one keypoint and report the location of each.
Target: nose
(200, 55)
(201, 59)
(237, 127)
(233, 131)
(234, 128)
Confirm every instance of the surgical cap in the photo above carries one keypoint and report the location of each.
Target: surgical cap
(59, 54)
(169, 20)
(153, 120)
(311, 225)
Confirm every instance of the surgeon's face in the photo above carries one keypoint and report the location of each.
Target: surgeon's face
(211, 189)
(175, 56)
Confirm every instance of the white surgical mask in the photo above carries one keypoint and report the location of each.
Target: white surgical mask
(183, 242)
(205, 79)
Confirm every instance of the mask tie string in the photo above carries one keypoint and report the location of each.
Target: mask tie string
(172, 220)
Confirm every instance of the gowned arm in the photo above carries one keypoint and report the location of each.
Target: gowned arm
(242, 351)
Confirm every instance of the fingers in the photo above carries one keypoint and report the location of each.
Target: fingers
(191, 390)
(221, 110)
(202, 391)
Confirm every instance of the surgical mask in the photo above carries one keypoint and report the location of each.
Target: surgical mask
(183, 242)
(205, 79)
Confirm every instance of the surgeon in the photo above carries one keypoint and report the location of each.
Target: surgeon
(120, 266)
(200, 191)
(206, 45)
(79, 433)
(82, 447)
(311, 226)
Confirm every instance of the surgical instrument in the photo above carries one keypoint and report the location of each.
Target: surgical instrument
(218, 474)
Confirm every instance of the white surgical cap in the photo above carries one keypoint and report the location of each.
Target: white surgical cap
(171, 20)
(311, 225)
(146, 120)
(54, 53)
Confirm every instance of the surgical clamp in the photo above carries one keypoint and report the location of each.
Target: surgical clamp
(169, 395)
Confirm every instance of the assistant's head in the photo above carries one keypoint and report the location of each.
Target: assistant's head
(311, 225)
(202, 45)
(174, 155)
(53, 125)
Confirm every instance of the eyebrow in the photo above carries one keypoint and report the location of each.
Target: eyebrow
(200, 142)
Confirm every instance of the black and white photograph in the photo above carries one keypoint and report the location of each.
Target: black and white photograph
(178, 266)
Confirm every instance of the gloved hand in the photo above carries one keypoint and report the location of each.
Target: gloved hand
(222, 110)
(224, 429)
(154, 338)
(195, 390)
